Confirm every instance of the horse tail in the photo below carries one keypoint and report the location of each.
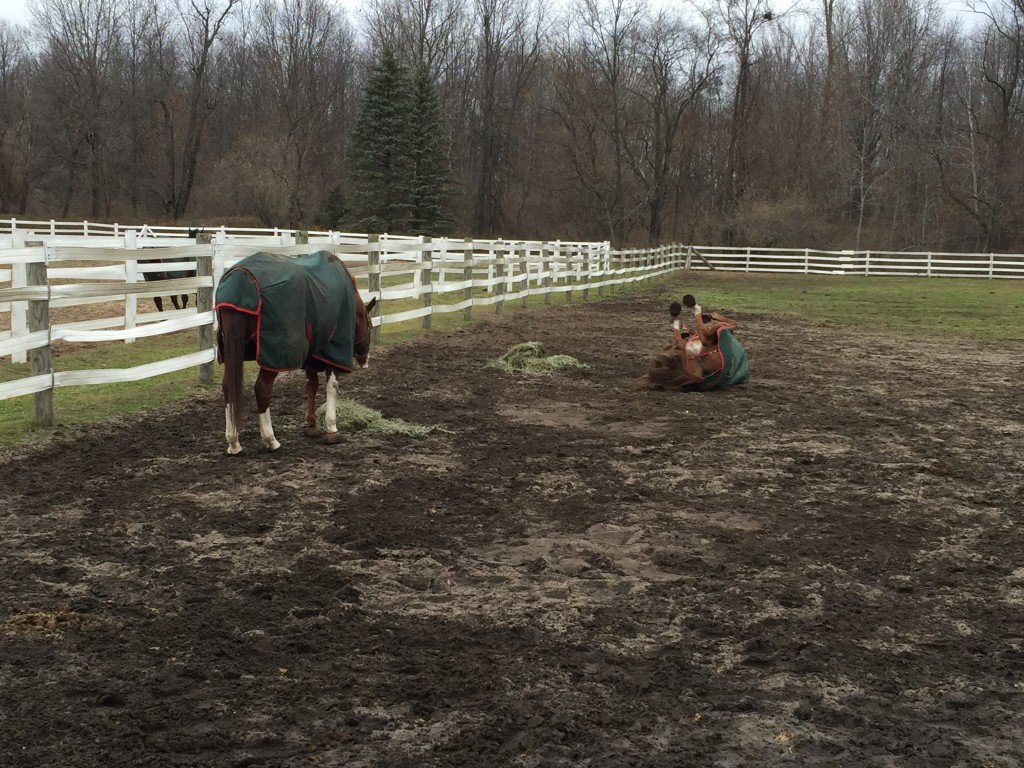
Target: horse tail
(232, 349)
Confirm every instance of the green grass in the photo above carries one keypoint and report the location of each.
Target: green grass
(86, 404)
(909, 306)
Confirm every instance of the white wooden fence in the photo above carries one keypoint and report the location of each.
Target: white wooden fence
(437, 277)
(49, 265)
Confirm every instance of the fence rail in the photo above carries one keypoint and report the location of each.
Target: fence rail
(412, 279)
(52, 265)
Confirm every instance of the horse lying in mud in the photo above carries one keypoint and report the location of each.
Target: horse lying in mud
(289, 313)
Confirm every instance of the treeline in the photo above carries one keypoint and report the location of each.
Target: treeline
(845, 123)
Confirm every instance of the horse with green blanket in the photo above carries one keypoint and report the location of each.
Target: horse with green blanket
(288, 313)
(708, 357)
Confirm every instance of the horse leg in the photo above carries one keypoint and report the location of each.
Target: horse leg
(331, 418)
(264, 389)
(174, 301)
(159, 303)
(232, 335)
(184, 301)
(312, 384)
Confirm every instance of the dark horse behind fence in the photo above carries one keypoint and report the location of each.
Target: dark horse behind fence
(288, 313)
(170, 275)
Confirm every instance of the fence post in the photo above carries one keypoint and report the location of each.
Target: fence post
(40, 357)
(867, 263)
(19, 309)
(928, 268)
(747, 267)
(991, 265)
(545, 271)
(807, 260)
(204, 303)
(585, 271)
(417, 275)
(497, 269)
(131, 276)
(443, 268)
(490, 268)
(524, 260)
(571, 279)
(467, 278)
(373, 282)
(426, 280)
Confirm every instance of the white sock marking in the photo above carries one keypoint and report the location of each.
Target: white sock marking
(331, 417)
(267, 431)
(230, 433)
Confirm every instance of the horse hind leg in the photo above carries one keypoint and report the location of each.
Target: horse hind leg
(312, 384)
(231, 431)
(174, 301)
(264, 389)
(331, 417)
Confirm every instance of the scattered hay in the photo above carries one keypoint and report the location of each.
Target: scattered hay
(49, 622)
(528, 358)
(355, 417)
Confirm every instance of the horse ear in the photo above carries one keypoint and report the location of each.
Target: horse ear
(371, 305)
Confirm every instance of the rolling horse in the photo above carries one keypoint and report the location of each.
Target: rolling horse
(289, 313)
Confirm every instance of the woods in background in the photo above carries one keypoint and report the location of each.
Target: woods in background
(835, 123)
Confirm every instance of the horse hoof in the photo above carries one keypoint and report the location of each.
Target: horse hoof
(234, 450)
(332, 438)
(273, 446)
(311, 432)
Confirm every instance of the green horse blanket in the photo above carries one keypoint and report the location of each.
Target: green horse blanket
(305, 307)
(735, 367)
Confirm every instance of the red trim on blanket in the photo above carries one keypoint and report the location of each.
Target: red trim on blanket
(259, 320)
(331, 363)
(235, 307)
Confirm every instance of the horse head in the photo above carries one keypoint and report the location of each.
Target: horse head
(361, 348)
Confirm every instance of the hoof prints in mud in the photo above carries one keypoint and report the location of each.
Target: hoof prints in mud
(822, 568)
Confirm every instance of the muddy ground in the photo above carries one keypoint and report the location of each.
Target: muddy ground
(822, 568)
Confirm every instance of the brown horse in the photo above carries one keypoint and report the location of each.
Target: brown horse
(239, 336)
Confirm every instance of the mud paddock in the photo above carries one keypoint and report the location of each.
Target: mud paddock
(823, 568)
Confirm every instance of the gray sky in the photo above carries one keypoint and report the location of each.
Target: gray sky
(17, 10)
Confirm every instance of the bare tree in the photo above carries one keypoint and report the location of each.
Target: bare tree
(509, 46)
(677, 64)
(15, 122)
(189, 71)
(598, 62)
(81, 43)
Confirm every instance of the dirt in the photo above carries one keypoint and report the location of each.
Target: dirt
(822, 568)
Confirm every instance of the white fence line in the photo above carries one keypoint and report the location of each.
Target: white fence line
(404, 268)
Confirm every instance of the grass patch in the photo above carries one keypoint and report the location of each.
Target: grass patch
(907, 305)
(88, 404)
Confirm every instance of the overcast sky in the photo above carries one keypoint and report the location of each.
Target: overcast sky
(17, 10)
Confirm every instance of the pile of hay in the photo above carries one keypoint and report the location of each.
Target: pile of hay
(354, 417)
(528, 358)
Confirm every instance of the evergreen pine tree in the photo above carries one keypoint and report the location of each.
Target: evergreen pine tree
(431, 175)
(379, 158)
